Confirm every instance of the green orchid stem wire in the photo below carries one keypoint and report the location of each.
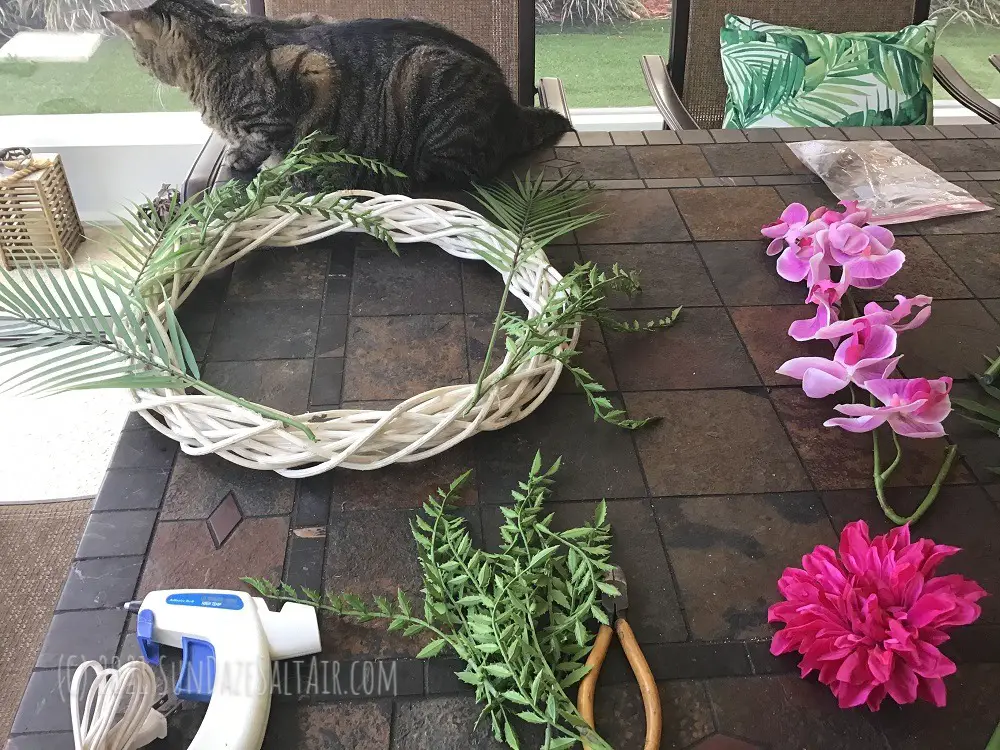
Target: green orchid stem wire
(992, 372)
(881, 477)
(994, 743)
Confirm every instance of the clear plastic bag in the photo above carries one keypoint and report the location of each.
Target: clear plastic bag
(881, 177)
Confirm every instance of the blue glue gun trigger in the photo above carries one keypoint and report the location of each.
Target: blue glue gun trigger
(197, 671)
(144, 633)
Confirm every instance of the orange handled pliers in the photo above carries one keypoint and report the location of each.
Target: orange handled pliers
(616, 607)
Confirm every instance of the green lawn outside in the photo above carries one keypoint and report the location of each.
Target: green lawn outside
(600, 68)
(111, 81)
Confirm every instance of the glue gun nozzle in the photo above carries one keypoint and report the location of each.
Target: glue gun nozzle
(132, 607)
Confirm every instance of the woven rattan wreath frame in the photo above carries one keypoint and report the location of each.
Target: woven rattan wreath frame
(421, 426)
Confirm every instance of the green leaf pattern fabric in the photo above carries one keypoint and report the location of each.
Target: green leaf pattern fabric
(779, 76)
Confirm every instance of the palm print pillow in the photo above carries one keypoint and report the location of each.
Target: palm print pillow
(779, 76)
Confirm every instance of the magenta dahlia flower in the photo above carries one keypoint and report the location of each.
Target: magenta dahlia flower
(871, 619)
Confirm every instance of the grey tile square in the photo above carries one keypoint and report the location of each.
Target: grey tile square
(892, 133)
(281, 384)
(728, 135)
(75, 637)
(790, 135)
(283, 329)
(827, 134)
(224, 519)
(860, 134)
(116, 534)
(671, 274)
(762, 135)
(702, 350)
(598, 459)
(924, 133)
(102, 583)
(695, 136)
(143, 448)
(332, 338)
(327, 382)
(423, 279)
(200, 483)
(130, 489)
(744, 275)
(661, 137)
(635, 216)
(45, 705)
(984, 130)
(727, 552)
(594, 138)
(628, 138)
(280, 273)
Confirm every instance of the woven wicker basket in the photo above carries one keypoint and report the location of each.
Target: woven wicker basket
(39, 224)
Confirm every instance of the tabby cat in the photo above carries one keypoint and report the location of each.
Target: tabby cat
(409, 93)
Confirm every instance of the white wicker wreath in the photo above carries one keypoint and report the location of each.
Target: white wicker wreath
(423, 425)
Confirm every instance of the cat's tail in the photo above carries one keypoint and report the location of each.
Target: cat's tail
(536, 128)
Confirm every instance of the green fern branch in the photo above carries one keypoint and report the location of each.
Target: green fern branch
(517, 618)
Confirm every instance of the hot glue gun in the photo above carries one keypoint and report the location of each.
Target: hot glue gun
(228, 640)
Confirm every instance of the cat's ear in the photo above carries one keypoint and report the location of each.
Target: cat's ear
(135, 23)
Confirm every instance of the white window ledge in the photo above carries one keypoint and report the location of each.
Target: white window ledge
(116, 159)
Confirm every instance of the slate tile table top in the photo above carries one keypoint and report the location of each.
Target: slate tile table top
(737, 481)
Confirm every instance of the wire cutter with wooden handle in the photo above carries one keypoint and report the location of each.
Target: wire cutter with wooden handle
(616, 607)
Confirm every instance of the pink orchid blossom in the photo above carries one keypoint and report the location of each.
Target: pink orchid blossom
(852, 214)
(913, 408)
(862, 357)
(870, 619)
(878, 315)
(791, 236)
(826, 295)
(867, 250)
(904, 308)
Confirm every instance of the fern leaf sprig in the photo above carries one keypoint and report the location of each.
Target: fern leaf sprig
(515, 617)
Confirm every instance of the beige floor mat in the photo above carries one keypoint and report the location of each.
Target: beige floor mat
(37, 543)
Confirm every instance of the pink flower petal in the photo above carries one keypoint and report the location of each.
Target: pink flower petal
(907, 427)
(790, 266)
(796, 213)
(861, 424)
(876, 267)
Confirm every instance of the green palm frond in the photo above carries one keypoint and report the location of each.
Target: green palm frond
(70, 331)
(531, 208)
(533, 213)
(985, 410)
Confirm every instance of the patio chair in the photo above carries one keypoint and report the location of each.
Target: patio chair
(505, 29)
(690, 91)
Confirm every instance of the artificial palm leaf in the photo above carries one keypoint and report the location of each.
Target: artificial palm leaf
(985, 411)
(68, 331)
(534, 213)
(531, 208)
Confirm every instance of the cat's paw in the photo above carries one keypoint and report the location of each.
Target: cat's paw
(241, 161)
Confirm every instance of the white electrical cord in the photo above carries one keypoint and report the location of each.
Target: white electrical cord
(131, 691)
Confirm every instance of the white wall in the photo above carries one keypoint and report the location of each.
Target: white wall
(112, 160)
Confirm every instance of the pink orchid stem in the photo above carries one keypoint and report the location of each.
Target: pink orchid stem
(881, 477)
